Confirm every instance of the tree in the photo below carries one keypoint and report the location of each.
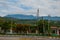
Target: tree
(43, 26)
(5, 26)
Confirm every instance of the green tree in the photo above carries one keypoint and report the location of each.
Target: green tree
(43, 26)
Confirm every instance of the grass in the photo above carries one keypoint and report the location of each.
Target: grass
(53, 35)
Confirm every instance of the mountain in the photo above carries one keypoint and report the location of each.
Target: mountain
(51, 18)
(22, 16)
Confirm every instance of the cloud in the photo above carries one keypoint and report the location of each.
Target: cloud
(25, 7)
(30, 7)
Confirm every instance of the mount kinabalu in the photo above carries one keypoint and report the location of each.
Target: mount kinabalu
(22, 16)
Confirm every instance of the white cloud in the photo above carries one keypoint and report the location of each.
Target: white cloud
(46, 7)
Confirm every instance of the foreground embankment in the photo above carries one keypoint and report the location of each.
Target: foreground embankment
(19, 37)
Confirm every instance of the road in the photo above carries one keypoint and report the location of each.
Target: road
(27, 38)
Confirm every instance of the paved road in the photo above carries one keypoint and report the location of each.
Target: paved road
(27, 38)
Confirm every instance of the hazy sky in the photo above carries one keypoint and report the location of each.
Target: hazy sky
(30, 7)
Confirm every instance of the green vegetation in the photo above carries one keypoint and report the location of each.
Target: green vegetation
(27, 26)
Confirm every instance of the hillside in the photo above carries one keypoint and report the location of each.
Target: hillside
(18, 21)
(30, 17)
(21, 16)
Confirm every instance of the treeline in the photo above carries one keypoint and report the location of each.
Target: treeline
(26, 26)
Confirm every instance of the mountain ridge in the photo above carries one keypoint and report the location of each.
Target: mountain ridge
(22, 16)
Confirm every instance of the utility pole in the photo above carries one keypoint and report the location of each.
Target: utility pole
(37, 18)
(37, 14)
(11, 26)
(43, 26)
(49, 25)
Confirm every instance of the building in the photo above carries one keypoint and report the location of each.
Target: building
(55, 30)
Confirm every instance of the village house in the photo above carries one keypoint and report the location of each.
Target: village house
(55, 30)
